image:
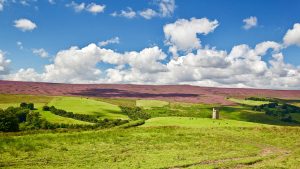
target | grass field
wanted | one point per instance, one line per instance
(52, 118)
(197, 122)
(179, 135)
(151, 103)
(75, 104)
(155, 147)
(87, 106)
(248, 102)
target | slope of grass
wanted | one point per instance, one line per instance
(119, 101)
(87, 106)
(52, 118)
(151, 103)
(243, 113)
(196, 122)
(155, 147)
(248, 102)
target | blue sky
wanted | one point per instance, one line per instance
(59, 26)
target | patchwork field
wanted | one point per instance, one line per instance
(176, 135)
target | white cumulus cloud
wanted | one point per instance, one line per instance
(95, 8)
(292, 36)
(91, 7)
(25, 24)
(182, 35)
(250, 22)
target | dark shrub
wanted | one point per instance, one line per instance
(46, 108)
(8, 121)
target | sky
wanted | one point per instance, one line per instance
(230, 43)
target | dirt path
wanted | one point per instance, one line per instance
(267, 153)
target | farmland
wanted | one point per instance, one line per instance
(174, 135)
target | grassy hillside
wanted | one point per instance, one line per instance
(87, 106)
(197, 122)
(155, 147)
(178, 135)
(52, 118)
(75, 104)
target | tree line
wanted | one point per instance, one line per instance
(281, 111)
(24, 118)
(63, 113)
(262, 99)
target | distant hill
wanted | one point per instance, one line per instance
(182, 93)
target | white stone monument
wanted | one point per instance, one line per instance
(215, 113)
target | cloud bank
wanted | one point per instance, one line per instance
(242, 66)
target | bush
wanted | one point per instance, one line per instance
(33, 120)
(46, 108)
(29, 106)
(8, 121)
(135, 113)
(82, 117)
(280, 111)
(132, 124)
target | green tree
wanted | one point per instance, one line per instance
(8, 121)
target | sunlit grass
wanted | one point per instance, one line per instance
(248, 102)
(151, 103)
(82, 105)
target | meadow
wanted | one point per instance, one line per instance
(178, 135)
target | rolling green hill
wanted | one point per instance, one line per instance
(178, 135)
(87, 106)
